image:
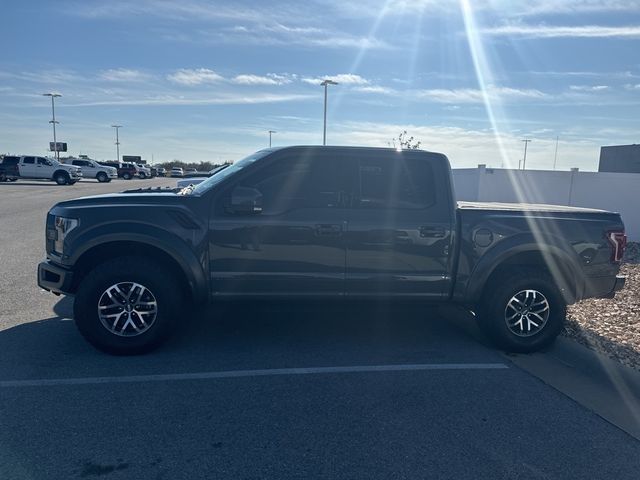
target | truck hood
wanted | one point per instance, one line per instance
(525, 207)
(156, 197)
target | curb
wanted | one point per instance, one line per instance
(602, 385)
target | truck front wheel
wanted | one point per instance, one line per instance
(127, 306)
(62, 178)
(522, 311)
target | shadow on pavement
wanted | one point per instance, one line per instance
(248, 335)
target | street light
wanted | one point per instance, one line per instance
(325, 84)
(117, 142)
(53, 120)
(524, 160)
(270, 132)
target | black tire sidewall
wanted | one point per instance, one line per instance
(156, 279)
(61, 178)
(102, 177)
(492, 318)
(126, 176)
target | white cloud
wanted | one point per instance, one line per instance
(588, 88)
(123, 75)
(196, 76)
(177, 100)
(632, 87)
(555, 31)
(375, 89)
(269, 79)
(343, 79)
(471, 95)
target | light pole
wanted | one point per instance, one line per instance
(325, 84)
(53, 121)
(524, 160)
(270, 132)
(117, 127)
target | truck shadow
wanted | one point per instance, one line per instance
(250, 335)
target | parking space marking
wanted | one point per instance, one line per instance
(250, 373)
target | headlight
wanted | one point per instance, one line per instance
(62, 228)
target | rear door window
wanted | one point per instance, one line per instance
(398, 183)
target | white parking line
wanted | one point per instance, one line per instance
(249, 373)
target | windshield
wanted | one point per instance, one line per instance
(223, 173)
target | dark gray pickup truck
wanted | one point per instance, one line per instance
(325, 222)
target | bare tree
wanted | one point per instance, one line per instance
(405, 142)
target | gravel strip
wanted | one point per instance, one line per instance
(612, 326)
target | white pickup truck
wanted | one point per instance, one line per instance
(92, 169)
(44, 168)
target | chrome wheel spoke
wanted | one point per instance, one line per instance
(127, 309)
(526, 313)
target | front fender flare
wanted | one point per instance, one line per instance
(172, 245)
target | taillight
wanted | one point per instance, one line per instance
(618, 241)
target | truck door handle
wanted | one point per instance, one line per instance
(328, 230)
(432, 232)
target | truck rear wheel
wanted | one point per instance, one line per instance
(127, 306)
(522, 311)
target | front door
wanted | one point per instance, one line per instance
(296, 244)
(399, 235)
(43, 168)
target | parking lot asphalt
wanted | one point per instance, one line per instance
(272, 389)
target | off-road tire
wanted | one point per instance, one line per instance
(492, 311)
(144, 271)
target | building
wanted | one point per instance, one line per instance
(620, 159)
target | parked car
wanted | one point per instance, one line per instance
(327, 222)
(29, 167)
(201, 177)
(162, 171)
(177, 172)
(127, 170)
(190, 171)
(143, 170)
(92, 169)
(9, 168)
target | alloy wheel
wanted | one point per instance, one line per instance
(127, 309)
(527, 313)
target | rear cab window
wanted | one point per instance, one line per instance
(395, 182)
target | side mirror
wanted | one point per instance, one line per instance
(245, 201)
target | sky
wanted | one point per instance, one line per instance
(202, 80)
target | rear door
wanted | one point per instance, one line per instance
(296, 245)
(400, 226)
(87, 168)
(27, 167)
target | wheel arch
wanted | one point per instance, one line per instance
(60, 171)
(186, 269)
(565, 271)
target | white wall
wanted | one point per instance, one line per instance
(617, 192)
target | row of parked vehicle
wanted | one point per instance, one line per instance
(70, 170)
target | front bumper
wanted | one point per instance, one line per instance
(54, 278)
